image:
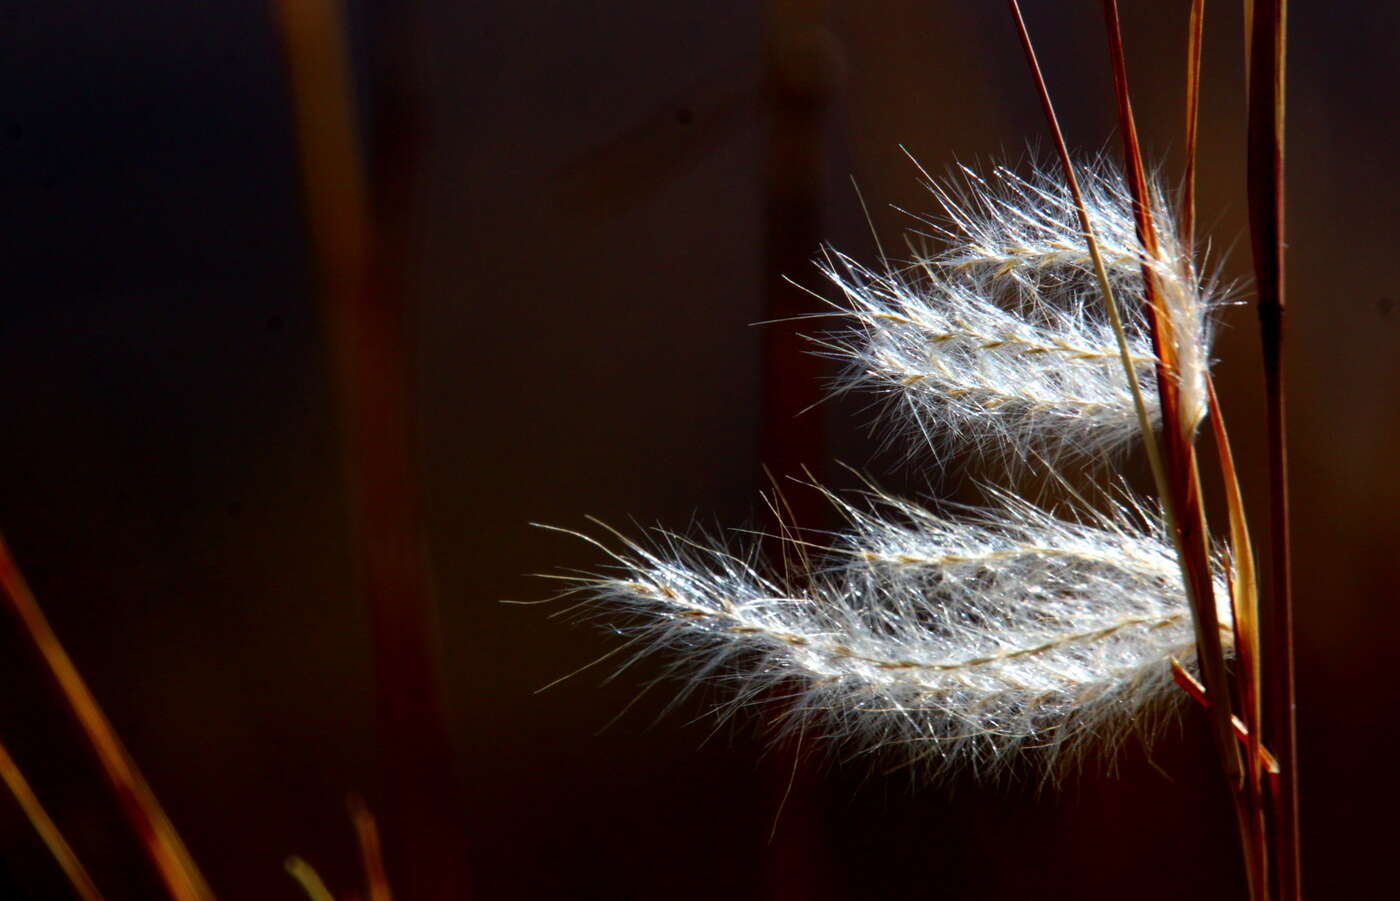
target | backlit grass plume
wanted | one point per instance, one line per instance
(1002, 340)
(949, 641)
(962, 640)
(1063, 314)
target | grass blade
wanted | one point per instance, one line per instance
(309, 880)
(48, 831)
(1194, 33)
(159, 838)
(1149, 440)
(1182, 471)
(1266, 25)
(367, 834)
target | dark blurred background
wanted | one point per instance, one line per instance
(594, 207)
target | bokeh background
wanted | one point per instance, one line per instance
(592, 204)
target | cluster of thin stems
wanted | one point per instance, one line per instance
(1064, 315)
(1262, 784)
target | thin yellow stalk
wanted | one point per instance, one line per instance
(1183, 472)
(48, 831)
(1244, 598)
(1244, 583)
(309, 880)
(1212, 659)
(1149, 439)
(157, 836)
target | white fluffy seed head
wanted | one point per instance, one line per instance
(1001, 340)
(962, 641)
(947, 642)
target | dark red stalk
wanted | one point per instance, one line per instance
(371, 857)
(1180, 453)
(1194, 34)
(1244, 595)
(1110, 303)
(1182, 496)
(1184, 473)
(1267, 40)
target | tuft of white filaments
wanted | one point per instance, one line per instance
(961, 640)
(1002, 340)
(948, 641)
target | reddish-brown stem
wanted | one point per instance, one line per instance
(1244, 588)
(1243, 585)
(371, 857)
(167, 852)
(1193, 536)
(1244, 595)
(1180, 452)
(1266, 59)
(1180, 496)
(1195, 31)
(1052, 120)
(1197, 691)
(1105, 284)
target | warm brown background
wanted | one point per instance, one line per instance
(588, 255)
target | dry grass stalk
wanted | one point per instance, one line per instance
(924, 632)
(158, 837)
(998, 338)
(48, 830)
(1266, 37)
(371, 859)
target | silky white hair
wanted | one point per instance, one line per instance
(1000, 341)
(951, 641)
(965, 639)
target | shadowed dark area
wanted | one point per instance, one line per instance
(588, 224)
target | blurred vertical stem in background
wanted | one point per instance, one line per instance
(371, 858)
(364, 308)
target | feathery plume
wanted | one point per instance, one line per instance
(952, 641)
(964, 640)
(1000, 340)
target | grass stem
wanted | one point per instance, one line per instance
(48, 830)
(1266, 25)
(157, 836)
(1194, 35)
